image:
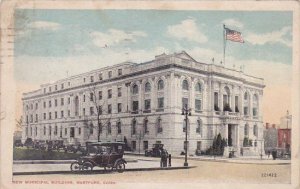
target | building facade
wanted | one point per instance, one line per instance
(142, 103)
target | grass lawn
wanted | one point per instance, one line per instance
(33, 154)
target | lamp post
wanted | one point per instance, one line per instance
(186, 112)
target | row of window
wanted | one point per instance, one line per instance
(161, 85)
(100, 77)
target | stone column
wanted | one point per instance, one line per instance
(128, 97)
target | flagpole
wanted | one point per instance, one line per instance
(224, 42)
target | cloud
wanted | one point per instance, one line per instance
(272, 37)
(44, 25)
(233, 22)
(187, 30)
(114, 37)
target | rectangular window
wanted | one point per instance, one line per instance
(199, 145)
(109, 108)
(100, 77)
(83, 111)
(100, 95)
(197, 104)
(62, 86)
(245, 110)
(66, 131)
(109, 74)
(119, 107)
(119, 92)
(31, 118)
(160, 104)
(44, 104)
(69, 100)
(135, 106)
(185, 102)
(69, 113)
(109, 93)
(62, 101)
(36, 106)
(55, 102)
(91, 97)
(27, 119)
(50, 115)
(145, 144)
(79, 131)
(91, 110)
(119, 72)
(56, 87)
(50, 104)
(92, 79)
(83, 98)
(44, 116)
(147, 104)
(44, 90)
(72, 132)
(84, 80)
(55, 115)
(100, 110)
(69, 83)
(254, 111)
(62, 114)
(49, 89)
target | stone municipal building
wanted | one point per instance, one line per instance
(142, 103)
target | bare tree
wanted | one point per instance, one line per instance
(102, 115)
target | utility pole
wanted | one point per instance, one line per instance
(186, 112)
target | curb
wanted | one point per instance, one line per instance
(101, 171)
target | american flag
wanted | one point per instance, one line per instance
(233, 35)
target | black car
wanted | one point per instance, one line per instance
(155, 151)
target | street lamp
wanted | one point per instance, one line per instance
(186, 112)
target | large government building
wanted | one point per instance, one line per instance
(142, 104)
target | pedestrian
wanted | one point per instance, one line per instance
(242, 152)
(269, 152)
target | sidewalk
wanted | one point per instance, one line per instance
(240, 160)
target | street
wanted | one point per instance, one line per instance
(205, 171)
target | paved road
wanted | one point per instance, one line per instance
(206, 171)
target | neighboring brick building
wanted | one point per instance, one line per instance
(143, 102)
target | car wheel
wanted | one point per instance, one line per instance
(75, 167)
(120, 167)
(87, 167)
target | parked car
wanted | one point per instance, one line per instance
(155, 151)
(75, 149)
(108, 155)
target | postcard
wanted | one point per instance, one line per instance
(141, 94)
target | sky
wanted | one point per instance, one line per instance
(53, 44)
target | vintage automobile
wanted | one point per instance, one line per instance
(155, 151)
(108, 155)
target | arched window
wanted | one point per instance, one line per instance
(160, 85)
(185, 85)
(44, 130)
(246, 96)
(135, 89)
(198, 87)
(246, 130)
(158, 125)
(255, 130)
(147, 87)
(199, 127)
(255, 105)
(109, 127)
(119, 127)
(133, 127)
